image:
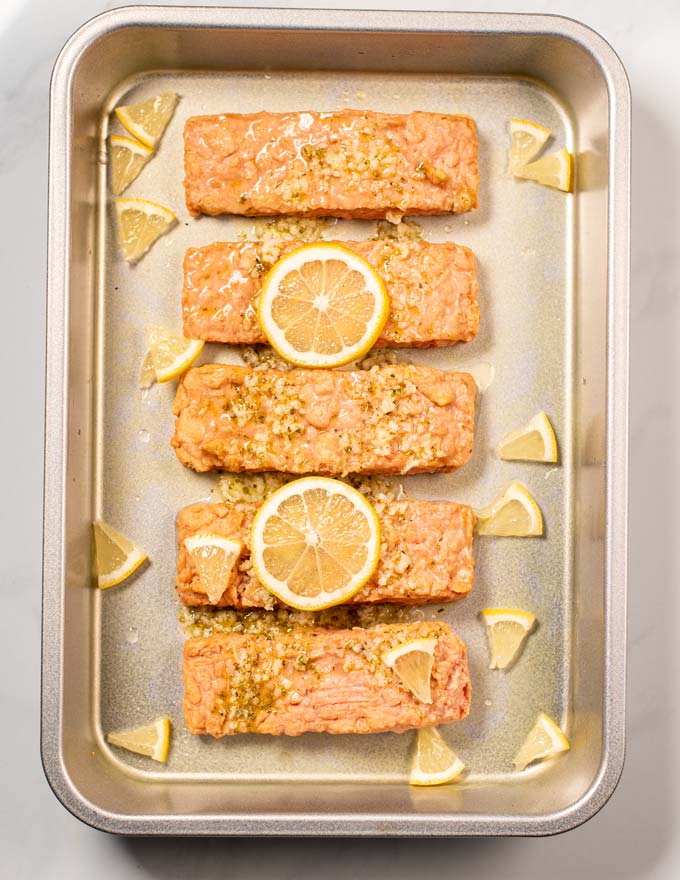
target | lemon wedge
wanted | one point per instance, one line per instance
(512, 514)
(507, 628)
(412, 661)
(554, 170)
(322, 306)
(544, 740)
(148, 120)
(147, 373)
(116, 557)
(152, 740)
(128, 157)
(171, 355)
(140, 224)
(534, 442)
(434, 762)
(315, 542)
(527, 139)
(215, 558)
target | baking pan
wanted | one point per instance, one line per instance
(554, 300)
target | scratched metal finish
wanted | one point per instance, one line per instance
(522, 236)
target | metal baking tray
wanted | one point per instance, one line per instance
(554, 301)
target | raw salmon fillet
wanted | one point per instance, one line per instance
(352, 163)
(388, 420)
(313, 679)
(426, 554)
(432, 290)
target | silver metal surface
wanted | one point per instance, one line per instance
(554, 300)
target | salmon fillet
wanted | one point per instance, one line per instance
(432, 290)
(353, 163)
(426, 554)
(321, 680)
(388, 420)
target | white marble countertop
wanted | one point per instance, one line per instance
(636, 834)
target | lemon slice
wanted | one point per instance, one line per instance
(322, 306)
(507, 628)
(215, 558)
(534, 442)
(128, 157)
(116, 557)
(527, 139)
(545, 739)
(512, 514)
(315, 542)
(554, 170)
(434, 762)
(147, 121)
(140, 224)
(412, 661)
(152, 740)
(171, 354)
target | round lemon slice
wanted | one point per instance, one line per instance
(527, 139)
(116, 557)
(215, 558)
(148, 120)
(512, 514)
(506, 628)
(140, 224)
(434, 762)
(152, 740)
(322, 306)
(554, 170)
(545, 739)
(315, 542)
(412, 662)
(534, 442)
(171, 355)
(128, 157)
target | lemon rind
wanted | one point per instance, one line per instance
(568, 163)
(421, 646)
(540, 134)
(182, 363)
(132, 144)
(560, 743)
(540, 424)
(426, 645)
(146, 206)
(515, 491)
(525, 124)
(205, 539)
(419, 778)
(123, 572)
(161, 746)
(493, 616)
(122, 113)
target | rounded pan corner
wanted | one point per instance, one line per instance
(68, 795)
(88, 33)
(599, 47)
(590, 803)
